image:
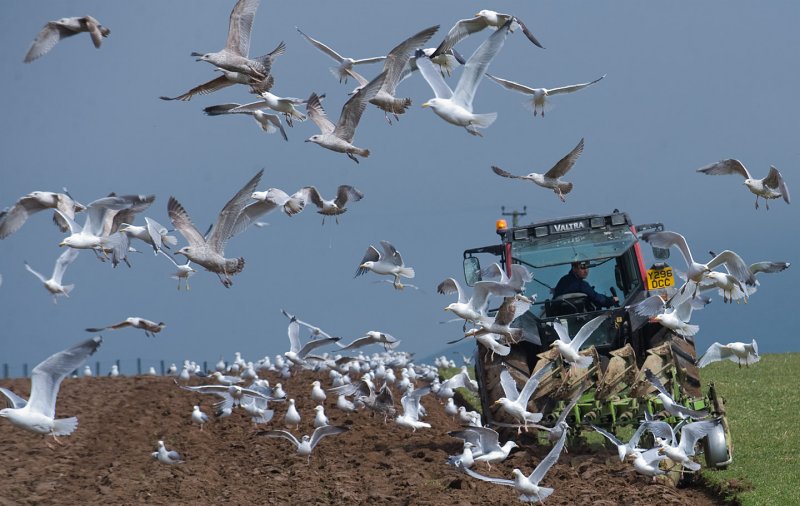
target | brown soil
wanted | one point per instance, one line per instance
(107, 460)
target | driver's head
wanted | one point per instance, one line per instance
(581, 269)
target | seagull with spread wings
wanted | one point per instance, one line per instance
(672, 407)
(552, 178)
(150, 328)
(11, 219)
(741, 353)
(482, 19)
(333, 207)
(234, 56)
(539, 96)
(54, 31)
(209, 251)
(771, 187)
(53, 284)
(389, 263)
(569, 349)
(455, 106)
(339, 137)
(515, 402)
(37, 414)
(344, 63)
(270, 123)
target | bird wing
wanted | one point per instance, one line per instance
(225, 225)
(37, 273)
(572, 87)
(294, 335)
(311, 193)
(358, 343)
(611, 437)
(432, 76)
(234, 108)
(725, 167)
(325, 430)
(316, 343)
(280, 433)
(316, 113)
(345, 193)
(203, 89)
(14, 400)
(692, 432)
(479, 476)
(397, 59)
(183, 223)
(769, 267)
(124, 210)
(656, 382)
(251, 213)
(532, 383)
(775, 180)
(240, 25)
(63, 262)
(48, 37)
(566, 163)
(530, 35)
(735, 265)
(11, 220)
(562, 418)
(391, 254)
(650, 306)
(371, 255)
(322, 47)
(47, 376)
(666, 238)
(460, 30)
(586, 331)
(714, 353)
(561, 331)
(511, 85)
(476, 66)
(548, 462)
(354, 108)
(450, 285)
(500, 172)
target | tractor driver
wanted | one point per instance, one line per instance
(575, 282)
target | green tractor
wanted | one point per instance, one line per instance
(624, 345)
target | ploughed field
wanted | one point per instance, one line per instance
(107, 460)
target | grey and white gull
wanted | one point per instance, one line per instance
(54, 31)
(540, 96)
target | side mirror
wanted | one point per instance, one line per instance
(472, 270)
(660, 253)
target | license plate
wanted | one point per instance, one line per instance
(662, 277)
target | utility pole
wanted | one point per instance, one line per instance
(514, 214)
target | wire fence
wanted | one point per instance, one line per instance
(129, 367)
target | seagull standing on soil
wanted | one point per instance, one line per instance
(455, 107)
(539, 96)
(771, 187)
(292, 416)
(62, 28)
(741, 353)
(37, 414)
(199, 417)
(165, 456)
(552, 178)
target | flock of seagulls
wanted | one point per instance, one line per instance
(366, 382)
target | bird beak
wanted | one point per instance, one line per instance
(447, 309)
(426, 104)
(61, 244)
(652, 319)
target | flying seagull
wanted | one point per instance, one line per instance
(234, 56)
(672, 407)
(229, 78)
(515, 402)
(38, 413)
(269, 123)
(539, 96)
(344, 63)
(307, 444)
(150, 328)
(184, 272)
(289, 204)
(209, 251)
(12, 219)
(483, 19)
(771, 187)
(456, 106)
(53, 284)
(552, 178)
(62, 28)
(389, 263)
(569, 348)
(339, 137)
(741, 353)
(333, 207)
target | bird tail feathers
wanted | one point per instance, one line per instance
(68, 289)
(584, 362)
(407, 272)
(64, 426)
(484, 120)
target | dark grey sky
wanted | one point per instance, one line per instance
(687, 84)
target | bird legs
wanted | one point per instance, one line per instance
(352, 156)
